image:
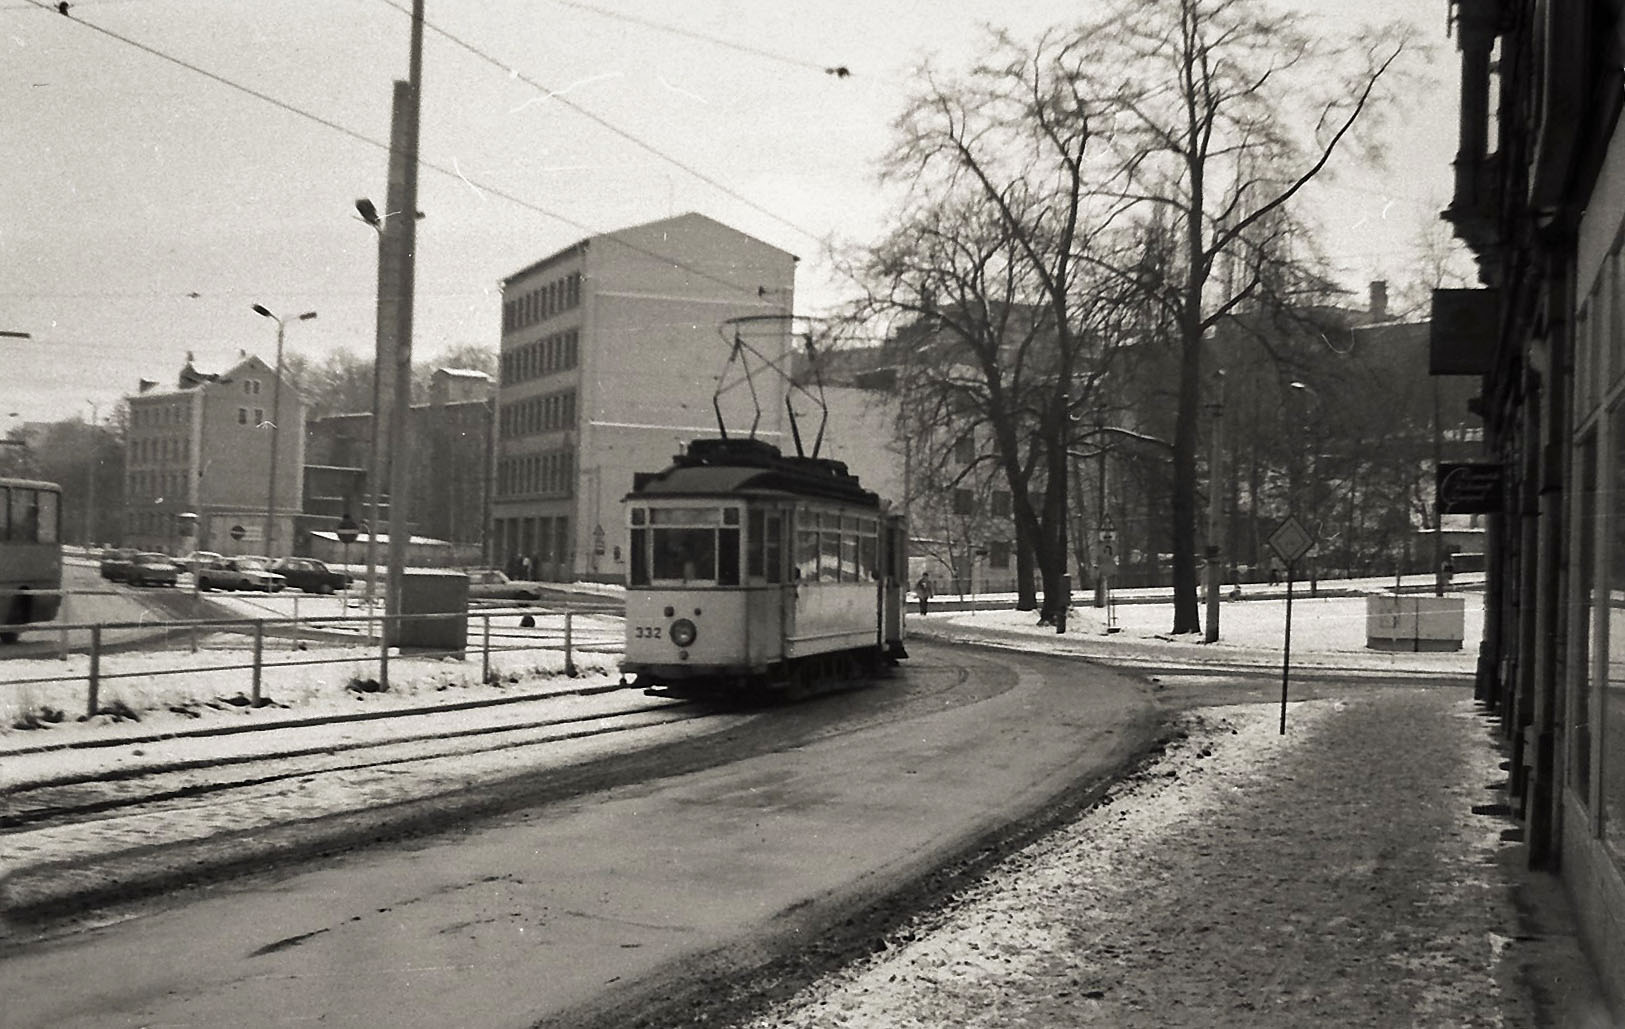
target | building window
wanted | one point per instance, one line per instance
(965, 450)
(1001, 503)
(259, 416)
(964, 502)
(998, 554)
(242, 416)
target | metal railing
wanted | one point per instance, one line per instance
(99, 640)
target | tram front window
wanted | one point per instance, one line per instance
(688, 555)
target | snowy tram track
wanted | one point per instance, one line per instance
(75, 796)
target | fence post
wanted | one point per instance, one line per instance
(383, 651)
(95, 669)
(259, 650)
(485, 665)
(569, 656)
(62, 636)
(296, 621)
(197, 608)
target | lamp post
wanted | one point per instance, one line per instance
(276, 420)
(369, 214)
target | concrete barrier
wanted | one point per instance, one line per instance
(1415, 622)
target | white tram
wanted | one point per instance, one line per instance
(753, 571)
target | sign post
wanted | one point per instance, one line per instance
(1291, 541)
(1105, 568)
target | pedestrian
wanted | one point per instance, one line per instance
(924, 591)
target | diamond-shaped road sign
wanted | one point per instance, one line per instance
(1291, 540)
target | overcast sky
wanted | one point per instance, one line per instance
(144, 207)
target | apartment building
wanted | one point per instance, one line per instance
(611, 356)
(199, 463)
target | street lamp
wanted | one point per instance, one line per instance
(276, 421)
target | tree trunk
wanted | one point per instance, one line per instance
(1026, 594)
(1186, 611)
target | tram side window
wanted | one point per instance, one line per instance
(868, 553)
(829, 561)
(806, 566)
(850, 571)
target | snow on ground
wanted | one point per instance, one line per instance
(1245, 879)
(1327, 631)
(156, 690)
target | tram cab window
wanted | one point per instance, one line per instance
(686, 545)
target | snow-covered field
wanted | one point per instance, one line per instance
(1326, 632)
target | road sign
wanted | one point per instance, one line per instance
(1291, 540)
(238, 532)
(1473, 487)
(346, 530)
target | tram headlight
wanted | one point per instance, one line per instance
(683, 632)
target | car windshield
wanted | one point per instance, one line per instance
(248, 564)
(153, 559)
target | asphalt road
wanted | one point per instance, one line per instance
(751, 857)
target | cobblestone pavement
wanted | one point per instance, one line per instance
(1333, 876)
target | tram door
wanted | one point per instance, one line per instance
(894, 579)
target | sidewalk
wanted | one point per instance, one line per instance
(1333, 876)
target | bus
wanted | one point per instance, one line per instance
(30, 554)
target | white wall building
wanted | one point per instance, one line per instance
(612, 349)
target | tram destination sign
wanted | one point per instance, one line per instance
(1472, 487)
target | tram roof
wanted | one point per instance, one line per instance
(730, 468)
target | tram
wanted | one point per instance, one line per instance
(751, 572)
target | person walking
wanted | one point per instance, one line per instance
(924, 591)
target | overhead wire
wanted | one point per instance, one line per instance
(560, 98)
(360, 137)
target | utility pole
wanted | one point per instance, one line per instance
(95, 461)
(407, 241)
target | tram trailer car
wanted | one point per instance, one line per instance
(751, 572)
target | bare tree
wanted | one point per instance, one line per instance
(986, 257)
(1224, 111)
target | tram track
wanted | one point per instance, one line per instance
(122, 835)
(98, 791)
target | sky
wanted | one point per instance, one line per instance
(145, 207)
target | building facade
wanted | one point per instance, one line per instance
(450, 443)
(198, 465)
(612, 352)
(1540, 200)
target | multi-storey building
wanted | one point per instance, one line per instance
(198, 457)
(612, 349)
(1540, 199)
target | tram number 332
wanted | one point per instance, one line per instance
(646, 632)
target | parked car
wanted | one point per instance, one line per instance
(490, 584)
(152, 569)
(310, 575)
(116, 564)
(238, 573)
(196, 558)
